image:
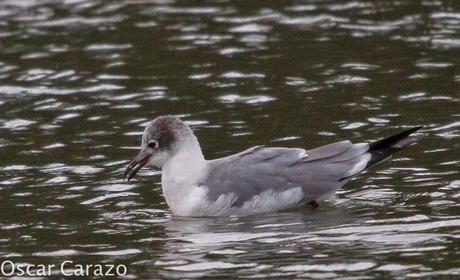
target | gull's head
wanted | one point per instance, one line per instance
(162, 139)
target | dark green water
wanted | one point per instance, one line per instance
(80, 79)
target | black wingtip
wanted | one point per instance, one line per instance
(383, 149)
(386, 142)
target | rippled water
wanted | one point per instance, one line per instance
(80, 79)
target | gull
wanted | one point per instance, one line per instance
(257, 180)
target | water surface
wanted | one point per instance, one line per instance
(79, 80)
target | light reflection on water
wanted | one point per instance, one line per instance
(80, 79)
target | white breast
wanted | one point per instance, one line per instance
(181, 178)
(185, 201)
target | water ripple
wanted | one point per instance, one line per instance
(81, 79)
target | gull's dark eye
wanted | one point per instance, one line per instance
(153, 144)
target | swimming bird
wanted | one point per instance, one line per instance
(257, 180)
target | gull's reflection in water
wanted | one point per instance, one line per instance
(193, 241)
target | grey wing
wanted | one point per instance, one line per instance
(318, 171)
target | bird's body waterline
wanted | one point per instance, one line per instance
(257, 180)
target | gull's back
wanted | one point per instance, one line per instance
(269, 179)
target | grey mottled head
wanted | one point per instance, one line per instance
(164, 133)
(162, 138)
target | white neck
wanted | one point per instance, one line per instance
(187, 162)
(183, 171)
